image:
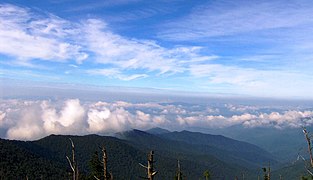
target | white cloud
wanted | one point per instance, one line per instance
(42, 36)
(72, 115)
(278, 83)
(35, 119)
(102, 4)
(48, 37)
(241, 108)
(105, 72)
(126, 53)
(97, 119)
(275, 41)
(2, 118)
(224, 18)
(28, 36)
(132, 77)
(292, 118)
(115, 73)
(118, 119)
(26, 120)
(23, 123)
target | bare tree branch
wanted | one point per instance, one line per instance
(69, 161)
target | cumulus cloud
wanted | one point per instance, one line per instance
(241, 108)
(27, 120)
(26, 123)
(97, 119)
(109, 118)
(293, 119)
(35, 119)
(68, 119)
(2, 115)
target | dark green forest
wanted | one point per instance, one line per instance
(200, 156)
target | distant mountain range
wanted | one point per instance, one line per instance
(224, 157)
(225, 149)
(285, 144)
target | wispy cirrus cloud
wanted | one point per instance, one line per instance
(115, 73)
(126, 53)
(102, 4)
(48, 37)
(226, 18)
(272, 55)
(255, 81)
(27, 36)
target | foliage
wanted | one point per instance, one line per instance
(207, 175)
(46, 157)
(19, 162)
(96, 167)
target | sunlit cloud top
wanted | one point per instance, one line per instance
(255, 48)
(34, 119)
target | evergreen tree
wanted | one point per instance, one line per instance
(95, 166)
(207, 175)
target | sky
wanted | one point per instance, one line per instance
(101, 67)
(257, 48)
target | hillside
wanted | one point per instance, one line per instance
(19, 160)
(225, 158)
(157, 130)
(285, 144)
(225, 149)
(46, 158)
(251, 154)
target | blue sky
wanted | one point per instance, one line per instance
(256, 48)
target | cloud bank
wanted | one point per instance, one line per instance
(28, 120)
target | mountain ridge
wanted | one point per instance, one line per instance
(129, 148)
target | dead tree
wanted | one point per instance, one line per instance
(73, 163)
(106, 175)
(308, 139)
(150, 171)
(179, 174)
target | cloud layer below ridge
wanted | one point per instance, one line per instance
(27, 120)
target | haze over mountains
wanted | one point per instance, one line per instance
(224, 86)
(197, 152)
(275, 127)
(124, 156)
